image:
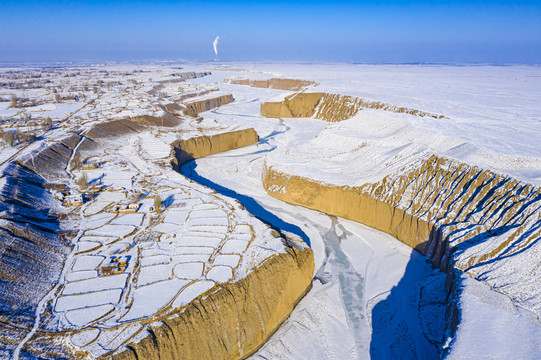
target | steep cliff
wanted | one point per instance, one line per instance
(274, 83)
(186, 150)
(195, 107)
(330, 107)
(461, 216)
(233, 321)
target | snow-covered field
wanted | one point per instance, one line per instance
(372, 296)
(197, 241)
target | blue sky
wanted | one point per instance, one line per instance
(345, 31)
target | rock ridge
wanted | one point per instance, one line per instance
(196, 147)
(330, 107)
(462, 217)
(195, 107)
(34, 245)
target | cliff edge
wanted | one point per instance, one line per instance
(193, 148)
(233, 321)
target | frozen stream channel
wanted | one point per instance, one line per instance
(365, 297)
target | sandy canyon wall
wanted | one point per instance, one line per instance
(461, 216)
(273, 83)
(195, 107)
(330, 107)
(234, 321)
(186, 150)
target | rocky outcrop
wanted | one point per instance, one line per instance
(296, 105)
(274, 83)
(186, 150)
(461, 216)
(330, 107)
(233, 321)
(192, 75)
(195, 107)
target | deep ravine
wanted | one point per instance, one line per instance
(356, 267)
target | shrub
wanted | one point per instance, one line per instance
(83, 182)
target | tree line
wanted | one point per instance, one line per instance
(12, 138)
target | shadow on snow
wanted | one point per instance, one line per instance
(189, 170)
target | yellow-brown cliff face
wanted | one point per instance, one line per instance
(233, 321)
(330, 107)
(195, 107)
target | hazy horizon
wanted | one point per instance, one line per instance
(370, 32)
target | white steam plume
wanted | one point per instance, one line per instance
(215, 44)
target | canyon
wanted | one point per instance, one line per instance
(277, 213)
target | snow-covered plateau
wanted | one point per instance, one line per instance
(385, 211)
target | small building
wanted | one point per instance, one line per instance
(126, 209)
(115, 265)
(91, 165)
(58, 196)
(73, 200)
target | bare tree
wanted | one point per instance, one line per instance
(17, 137)
(158, 203)
(83, 182)
(9, 138)
(75, 162)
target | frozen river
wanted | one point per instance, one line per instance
(365, 296)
